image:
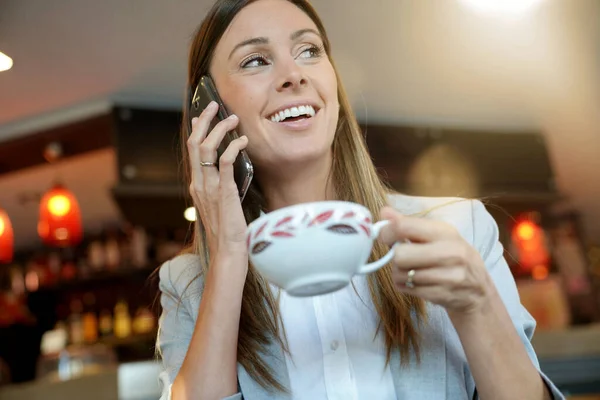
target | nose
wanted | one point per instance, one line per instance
(291, 76)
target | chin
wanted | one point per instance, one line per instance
(306, 158)
(295, 157)
(287, 148)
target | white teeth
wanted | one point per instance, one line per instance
(293, 112)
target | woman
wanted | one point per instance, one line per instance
(436, 323)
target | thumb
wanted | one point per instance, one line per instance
(388, 233)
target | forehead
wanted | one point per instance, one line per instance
(272, 19)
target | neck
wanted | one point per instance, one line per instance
(301, 185)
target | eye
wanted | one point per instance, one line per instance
(255, 60)
(311, 52)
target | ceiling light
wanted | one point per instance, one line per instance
(190, 214)
(503, 6)
(6, 62)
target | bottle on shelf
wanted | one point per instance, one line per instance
(105, 323)
(139, 247)
(96, 255)
(89, 319)
(122, 324)
(112, 251)
(143, 321)
(76, 323)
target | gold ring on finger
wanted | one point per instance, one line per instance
(409, 280)
(207, 164)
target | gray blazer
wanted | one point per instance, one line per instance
(443, 373)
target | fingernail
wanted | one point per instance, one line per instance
(194, 120)
(213, 104)
(233, 116)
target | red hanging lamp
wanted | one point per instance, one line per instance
(6, 238)
(60, 224)
(532, 252)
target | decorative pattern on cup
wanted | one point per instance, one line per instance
(285, 228)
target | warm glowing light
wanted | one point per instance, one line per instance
(43, 228)
(526, 230)
(32, 281)
(6, 62)
(6, 238)
(59, 205)
(503, 6)
(539, 272)
(529, 241)
(61, 234)
(60, 222)
(190, 214)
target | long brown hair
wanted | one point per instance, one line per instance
(355, 179)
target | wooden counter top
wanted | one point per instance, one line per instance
(572, 342)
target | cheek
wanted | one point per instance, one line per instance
(243, 104)
(239, 98)
(332, 83)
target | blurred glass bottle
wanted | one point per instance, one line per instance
(122, 325)
(76, 323)
(90, 320)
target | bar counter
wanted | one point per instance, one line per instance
(571, 358)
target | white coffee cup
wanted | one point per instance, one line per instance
(314, 248)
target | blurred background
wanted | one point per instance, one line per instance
(493, 99)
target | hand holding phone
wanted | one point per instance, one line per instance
(216, 194)
(204, 94)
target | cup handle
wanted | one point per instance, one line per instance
(375, 265)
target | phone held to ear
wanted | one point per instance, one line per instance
(206, 92)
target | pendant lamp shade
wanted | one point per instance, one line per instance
(60, 218)
(6, 238)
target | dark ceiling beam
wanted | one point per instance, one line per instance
(76, 138)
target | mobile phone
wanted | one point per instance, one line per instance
(205, 92)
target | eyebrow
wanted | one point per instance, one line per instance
(264, 40)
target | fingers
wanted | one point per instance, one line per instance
(201, 124)
(202, 146)
(454, 288)
(423, 255)
(226, 161)
(209, 146)
(200, 128)
(444, 276)
(414, 229)
(388, 233)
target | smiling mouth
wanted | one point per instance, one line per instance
(293, 114)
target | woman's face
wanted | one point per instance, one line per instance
(271, 70)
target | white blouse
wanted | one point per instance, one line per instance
(335, 354)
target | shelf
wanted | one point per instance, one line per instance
(133, 340)
(511, 197)
(150, 189)
(100, 277)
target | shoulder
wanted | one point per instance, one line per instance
(180, 274)
(469, 216)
